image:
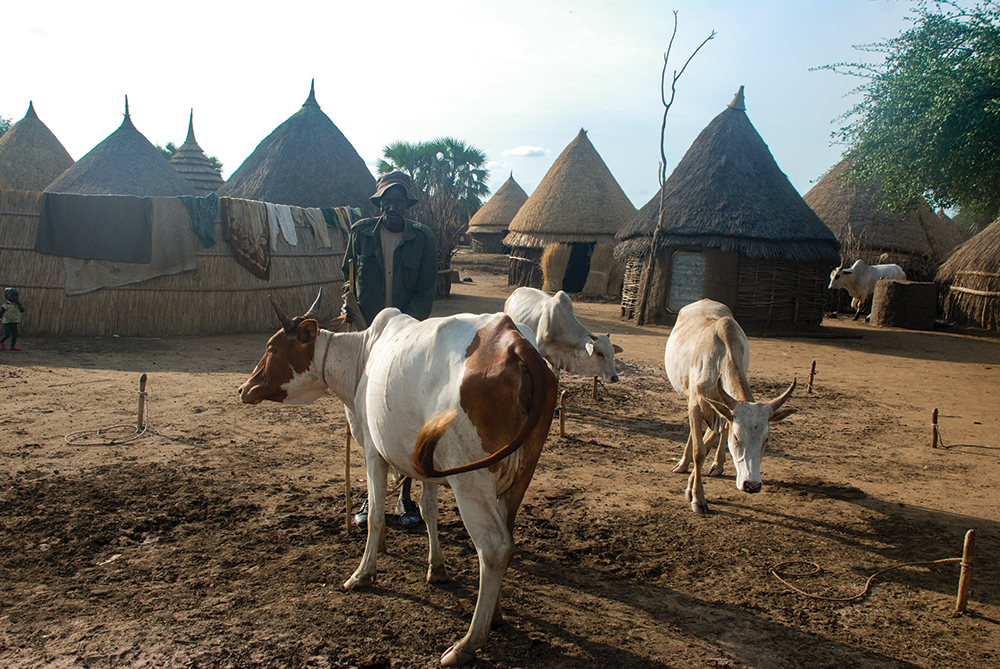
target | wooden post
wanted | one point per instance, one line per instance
(595, 388)
(935, 432)
(812, 373)
(140, 423)
(963, 580)
(562, 414)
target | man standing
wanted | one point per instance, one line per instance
(395, 265)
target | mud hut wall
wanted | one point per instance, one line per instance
(973, 298)
(219, 297)
(721, 277)
(781, 295)
(488, 242)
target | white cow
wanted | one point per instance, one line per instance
(562, 339)
(859, 280)
(464, 401)
(706, 359)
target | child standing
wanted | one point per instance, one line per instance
(11, 311)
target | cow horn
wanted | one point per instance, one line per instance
(727, 399)
(286, 323)
(314, 309)
(778, 401)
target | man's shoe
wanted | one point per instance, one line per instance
(361, 517)
(14, 348)
(409, 514)
(2, 347)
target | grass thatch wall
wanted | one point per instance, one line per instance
(972, 275)
(555, 261)
(220, 297)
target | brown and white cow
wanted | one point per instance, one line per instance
(706, 359)
(464, 401)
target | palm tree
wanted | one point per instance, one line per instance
(450, 179)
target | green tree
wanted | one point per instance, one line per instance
(5, 124)
(450, 179)
(929, 121)
(170, 149)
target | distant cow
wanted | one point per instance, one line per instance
(562, 339)
(859, 280)
(706, 359)
(465, 401)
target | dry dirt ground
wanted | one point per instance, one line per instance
(218, 538)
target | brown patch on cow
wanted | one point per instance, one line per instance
(286, 355)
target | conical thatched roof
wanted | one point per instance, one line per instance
(30, 155)
(495, 216)
(854, 214)
(195, 166)
(125, 163)
(973, 277)
(727, 192)
(578, 200)
(981, 255)
(306, 161)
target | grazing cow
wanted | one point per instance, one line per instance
(464, 401)
(859, 280)
(706, 358)
(562, 339)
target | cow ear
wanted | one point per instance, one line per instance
(781, 414)
(618, 349)
(590, 347)
(335, 324)
(721, 409)
(307, 331)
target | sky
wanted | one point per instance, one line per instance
(515, 78)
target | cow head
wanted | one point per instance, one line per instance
(837, 275)
(749, 430)
(602, 357)
(285, 373)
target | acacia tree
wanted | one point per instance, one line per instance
(450, 179)
(929, 121)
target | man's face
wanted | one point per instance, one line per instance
(393, 204)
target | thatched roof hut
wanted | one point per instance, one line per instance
(306, 161)
(576, 209)
(734, 229)
(30, 155)
(491, 223)
(972, 275)
(125, 163)
(195, 166)
(918, 241)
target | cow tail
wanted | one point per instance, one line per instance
(542, 406)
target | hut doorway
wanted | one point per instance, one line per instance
(579, 267)
(687, 279)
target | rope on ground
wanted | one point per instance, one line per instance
(817, 570)
(99, 437)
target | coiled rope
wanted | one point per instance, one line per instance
(99, 437)
(868, 584)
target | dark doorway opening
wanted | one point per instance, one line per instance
(579, 267)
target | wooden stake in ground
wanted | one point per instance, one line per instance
(812, 373)
(562, 414)
(935, 431)
(963, 580)
(140, 422)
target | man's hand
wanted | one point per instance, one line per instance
(348, 312)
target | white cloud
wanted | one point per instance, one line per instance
(526, 152)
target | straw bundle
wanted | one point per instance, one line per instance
(30, 155)
(972, 274)
(555, 261)
(307, 162)
(602, 262)
(220, 297)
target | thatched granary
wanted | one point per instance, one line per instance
(125, 163)
(195, 166)
(491, 223)
(307, 162)
(735, 230)
(972, 275)
(30, 155)
(569, 220)
(918, 241)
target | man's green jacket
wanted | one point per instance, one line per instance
(414, 276)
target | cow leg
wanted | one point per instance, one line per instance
(495, 547)
(682, 465)
(436, 572)
(695, 493)
(719, 464)
(377, 470)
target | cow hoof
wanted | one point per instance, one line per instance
(699, 507)
(680, 468)
(715, 471)
(456, 658)
(437, 574)
(355, 582)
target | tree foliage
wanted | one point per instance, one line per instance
(5, 124)
(450, 179)
(929, 121)
(170, 149)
